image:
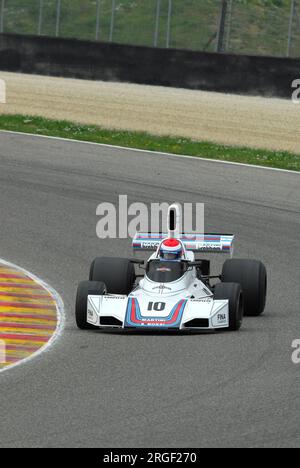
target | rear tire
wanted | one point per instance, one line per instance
(86, 288)
(252, 276)
(117, 274)
(232, 292)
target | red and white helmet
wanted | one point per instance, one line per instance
(171, 250)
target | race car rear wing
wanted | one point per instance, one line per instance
(210, 243)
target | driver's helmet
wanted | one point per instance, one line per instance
(171, 250)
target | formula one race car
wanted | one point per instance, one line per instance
(176, 291)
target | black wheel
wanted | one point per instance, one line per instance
(232, 292)
(118, 274)
(86, 288)
(252, 276)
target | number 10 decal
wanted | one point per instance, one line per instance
(157, 306)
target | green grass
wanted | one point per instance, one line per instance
(258, 26)
(201, 149)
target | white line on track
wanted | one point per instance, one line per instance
(59, 311)
(137, 150)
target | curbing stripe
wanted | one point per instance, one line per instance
(33, 328)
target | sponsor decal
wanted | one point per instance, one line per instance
(155, 321)
(164, 269)
(149, 245)
(134, 317)
(162, 287)
(91, 316)
(109, 298)
(222, 318)
(207, 245)
(201, 300)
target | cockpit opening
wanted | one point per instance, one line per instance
(165, 272)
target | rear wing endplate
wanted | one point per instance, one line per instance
(210, 243)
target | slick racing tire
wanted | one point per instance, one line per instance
(232, 292)
(118, 274)
(86, 288)
(252, 276)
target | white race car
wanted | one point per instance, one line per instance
(176, 290)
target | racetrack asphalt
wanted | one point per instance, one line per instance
(96, 389)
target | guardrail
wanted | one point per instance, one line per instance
(266, 76)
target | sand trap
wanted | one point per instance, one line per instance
(228, 119)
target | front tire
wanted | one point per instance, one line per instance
(86, 288)
(118, 274)
(252, 276)
(232, 292)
